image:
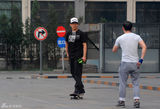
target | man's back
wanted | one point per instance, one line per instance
(129, 45)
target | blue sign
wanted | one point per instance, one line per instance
(61, 42)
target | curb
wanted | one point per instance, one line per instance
(17, 78)
(117, 84)
(65, 76)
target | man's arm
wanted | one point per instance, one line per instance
(84, 51)
(115, 48)
(66, 47)
(144, 49)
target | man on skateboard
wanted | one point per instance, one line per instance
(130, 62)
(76, 48)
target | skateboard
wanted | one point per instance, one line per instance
(76, 96)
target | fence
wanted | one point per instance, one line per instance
(26, 57)
(150, 33)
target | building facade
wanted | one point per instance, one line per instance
(145, 13)
(133, 10)
(95, 11)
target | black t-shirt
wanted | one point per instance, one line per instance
(75, 42)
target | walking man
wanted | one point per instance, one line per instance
(76, 48)
(130, 62)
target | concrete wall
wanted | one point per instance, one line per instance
(80, 9)
(26, 10)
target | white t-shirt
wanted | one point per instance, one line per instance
(129, 45)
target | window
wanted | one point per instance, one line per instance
(148, 12)
(60, 8)
(6, 6)
(97, 12)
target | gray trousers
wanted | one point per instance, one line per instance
(125, 69)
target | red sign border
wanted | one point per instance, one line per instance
(64, 29)
(37, 30)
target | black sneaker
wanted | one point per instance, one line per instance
(72, 94)
(75, 92)
(82, 91)
(136, 104)
(121, 104)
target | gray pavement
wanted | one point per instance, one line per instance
(41, 93)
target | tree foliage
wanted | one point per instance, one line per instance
(19, 41)
(12, 36)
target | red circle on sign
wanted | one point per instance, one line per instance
(40, 33)
(61, 31)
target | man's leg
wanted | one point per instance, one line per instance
(136, 93)
(78, 77)
(135, 82)
(123, 77)
(72, 69)
(71, 61)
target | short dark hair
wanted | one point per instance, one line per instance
(127, 25)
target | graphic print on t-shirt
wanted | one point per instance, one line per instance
(72, 38)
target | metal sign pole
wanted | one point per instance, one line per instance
(40, 34)
(63, 59)
(102, 61)
(41, 58)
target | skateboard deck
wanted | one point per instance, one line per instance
(76, 96)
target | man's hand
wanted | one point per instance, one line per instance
(139, 63)
(84, 58)
(67, 55)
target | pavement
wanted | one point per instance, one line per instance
(20, 91)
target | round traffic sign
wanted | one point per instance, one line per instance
(61, 31)
(40, 33)
(61, 42)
